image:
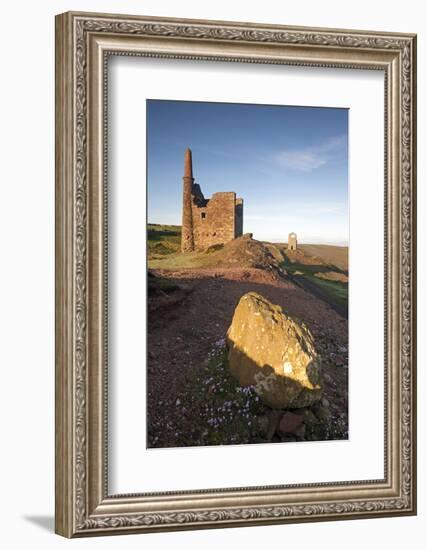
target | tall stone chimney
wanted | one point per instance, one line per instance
(187, 238)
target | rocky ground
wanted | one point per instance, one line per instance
(193, 399)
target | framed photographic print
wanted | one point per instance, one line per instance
(235, 274)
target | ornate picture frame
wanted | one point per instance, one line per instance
(83, 43)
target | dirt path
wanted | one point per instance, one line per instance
(180, 338)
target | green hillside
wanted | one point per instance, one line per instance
(162, 240)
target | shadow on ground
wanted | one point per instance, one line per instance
(46, 523)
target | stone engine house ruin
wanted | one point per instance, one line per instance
(292, 241)
(206, 222)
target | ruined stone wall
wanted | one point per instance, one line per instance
(214, 223)
(206, 222)
(238, 232)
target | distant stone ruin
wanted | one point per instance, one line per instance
(207, 222)
(292, 241)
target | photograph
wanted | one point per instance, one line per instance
(247, 273)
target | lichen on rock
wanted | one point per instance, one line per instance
(274, 353)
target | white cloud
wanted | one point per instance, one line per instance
(310, 158)
(304, 161)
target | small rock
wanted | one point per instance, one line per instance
(273, 417)
(262, 424)
(289, 423)
(310, 418)
(301, 411)
(300, 431)
(327, 378)
(323, 414)
(339, 361)
(178, 402)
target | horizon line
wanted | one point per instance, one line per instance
(342, 244)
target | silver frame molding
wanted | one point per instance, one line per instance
(83, 43)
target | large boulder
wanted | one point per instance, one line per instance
(274, 353)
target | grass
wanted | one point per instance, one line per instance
(335, 290)
(229, 409)
(163, 240)
(177, 260)
(231, 413)
(164, 249)
(330, 254)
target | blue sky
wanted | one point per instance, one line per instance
(289, 164)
